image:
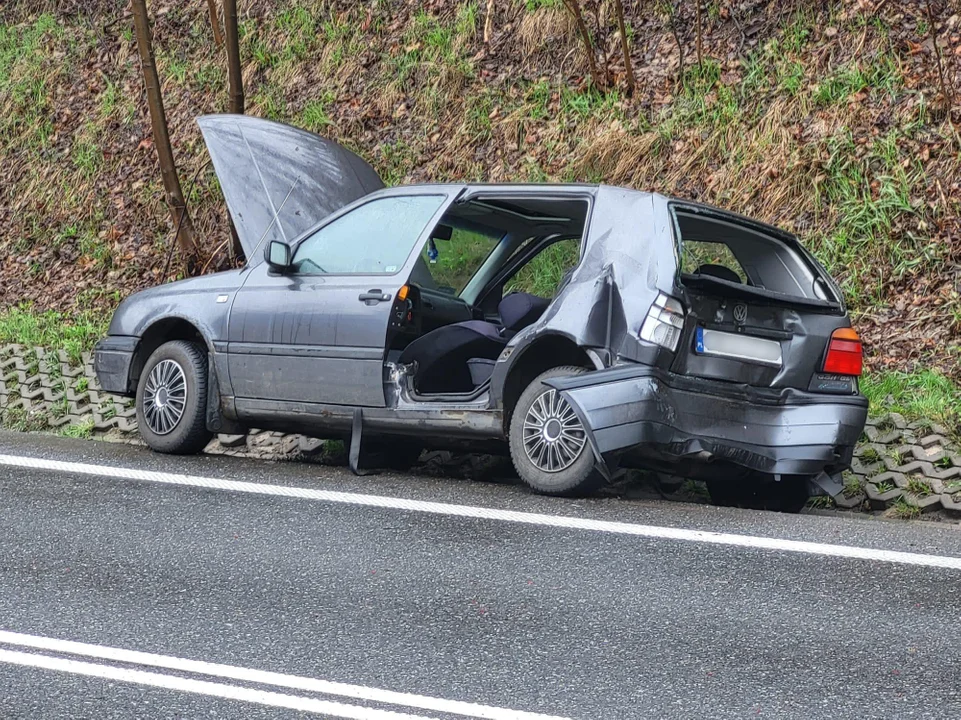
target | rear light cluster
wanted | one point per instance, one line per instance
(845, 354)
(664, 322)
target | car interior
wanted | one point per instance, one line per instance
(490, 269)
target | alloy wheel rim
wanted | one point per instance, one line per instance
(553, 435)
(165, 397)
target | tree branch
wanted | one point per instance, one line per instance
(215, 23)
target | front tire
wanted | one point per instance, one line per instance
(548, 443)
(172, 399)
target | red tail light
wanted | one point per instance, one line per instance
(844, 353)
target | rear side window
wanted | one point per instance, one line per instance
(543, 273)
(374, 239)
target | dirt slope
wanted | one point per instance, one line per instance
(825, 118)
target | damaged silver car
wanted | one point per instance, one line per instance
(583, 328)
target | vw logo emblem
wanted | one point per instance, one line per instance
(740, 313)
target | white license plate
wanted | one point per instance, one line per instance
(737, 347)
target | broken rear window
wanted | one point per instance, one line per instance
(722, 254)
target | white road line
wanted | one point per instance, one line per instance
(202, 687)
(483, 513)
(292, 682)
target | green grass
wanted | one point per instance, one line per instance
(22, 421)
(879, 74)
(543, 274)
(316, 114)
(869, 193)
(74, 334)
(918, 487)
(459, 258)
(903, 510)
(82, 430)
(922, 395)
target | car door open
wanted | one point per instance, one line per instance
(316, 333)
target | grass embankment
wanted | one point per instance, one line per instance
(824, 119)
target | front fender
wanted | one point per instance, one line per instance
(204, 302)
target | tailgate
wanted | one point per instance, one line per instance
(759, 309)
(764, 345)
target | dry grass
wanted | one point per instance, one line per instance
(545, 27)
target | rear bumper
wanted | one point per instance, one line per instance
(639, 408)
(112, 358)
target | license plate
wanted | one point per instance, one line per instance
(737, 347)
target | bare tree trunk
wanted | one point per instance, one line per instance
(945, 90)
(235, 80)
(574, 8)
(628, 68)
(672, 19)
(601, 24)
(215, 23)
(161, 135)
(697, 8)
(489, 21)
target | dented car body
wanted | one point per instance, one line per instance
(677, 336)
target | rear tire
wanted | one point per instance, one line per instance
(172, 399)
(548, 443)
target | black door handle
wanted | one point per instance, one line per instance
(374, 296)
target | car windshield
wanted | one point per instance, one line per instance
(373, 239)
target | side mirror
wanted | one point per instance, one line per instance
(277, 255)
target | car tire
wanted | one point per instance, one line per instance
(172, 399)
(533, 460)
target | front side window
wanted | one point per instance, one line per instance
(374, 239)
(458, 259)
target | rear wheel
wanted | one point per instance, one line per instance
(172, 399)
(548, 443)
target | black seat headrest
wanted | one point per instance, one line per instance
(518, 310)
(719, 271)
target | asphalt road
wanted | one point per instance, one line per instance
(516, 603)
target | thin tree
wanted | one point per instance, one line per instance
(628, 68)
(235, 80)
(215, 22)
(235, 91)
(161, 134)
(489, 21)
(945, 89)
(676, 32)
(697, 11)
(574, 8)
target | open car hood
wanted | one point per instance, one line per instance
(278, 180)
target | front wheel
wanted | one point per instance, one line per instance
(548, 442)
(172, 399)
